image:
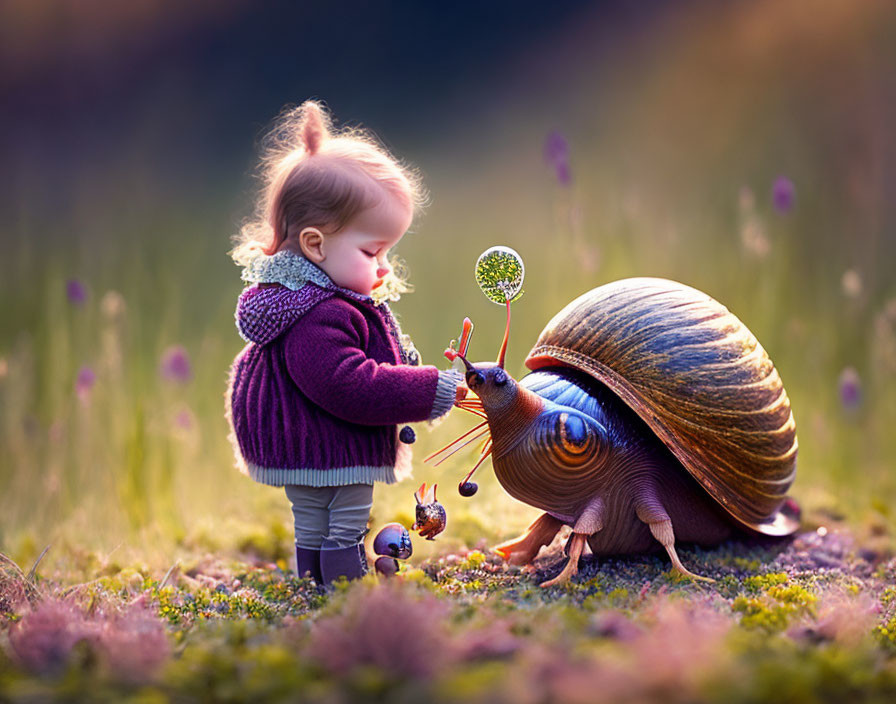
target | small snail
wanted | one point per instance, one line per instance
(651, 414)
(431, 517)
(392, 543)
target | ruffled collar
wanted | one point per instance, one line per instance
(294, 271)
(286, 268)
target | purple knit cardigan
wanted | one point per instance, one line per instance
(316, 396)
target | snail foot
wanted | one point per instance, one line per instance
(570, 571)
(576, 545)
(515, 553)
(516, 558)
(662, 531)
(698, 577)
(522, 550)
(676, 563)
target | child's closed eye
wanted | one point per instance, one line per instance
(369, 254)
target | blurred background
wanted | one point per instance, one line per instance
(744, 148)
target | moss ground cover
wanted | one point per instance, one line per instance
(815, 621)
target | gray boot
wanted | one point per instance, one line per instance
(336, 562)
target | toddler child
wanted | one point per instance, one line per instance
(316, 396)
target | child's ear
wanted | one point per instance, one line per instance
(311, 242)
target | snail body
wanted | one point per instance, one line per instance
(652, 415)
(614, 456)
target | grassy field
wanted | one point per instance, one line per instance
(747, 153)
(810, 620)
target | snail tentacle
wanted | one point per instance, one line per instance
(456, 440)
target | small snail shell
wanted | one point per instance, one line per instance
(393, 540)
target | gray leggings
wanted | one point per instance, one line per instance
(330, 516)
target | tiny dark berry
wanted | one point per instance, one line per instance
(407, 435)
(468, 488)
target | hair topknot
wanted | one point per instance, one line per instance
(315, 175)
(297, 131)
(314, 126)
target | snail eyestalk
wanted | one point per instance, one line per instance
(456, 348)
(466, 335)
(503, 350)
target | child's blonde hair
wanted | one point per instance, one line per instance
(315, 176)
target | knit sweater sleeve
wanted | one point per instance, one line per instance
(325, 358)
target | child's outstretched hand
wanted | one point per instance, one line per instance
(460, 394)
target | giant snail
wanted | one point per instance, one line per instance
(651, 414)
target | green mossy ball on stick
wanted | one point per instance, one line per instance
(499, 273)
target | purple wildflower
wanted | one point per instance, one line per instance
(564, 174)
(131, 644)
(388, 627)
(494, 640)
(556, 154)
(184, 419)
(610, 623)
(84, 382)
(43, 640)
(556, 148)
(850, 389)
(783, 194)
(175, 365)
(76, 292)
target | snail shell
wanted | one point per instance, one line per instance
(700, 380)
(393, 540)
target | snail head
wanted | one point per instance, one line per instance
(490, 382)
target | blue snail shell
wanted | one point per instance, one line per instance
(393, 540)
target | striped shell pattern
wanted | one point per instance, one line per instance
(699, 379)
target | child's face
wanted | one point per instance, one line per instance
(355, 257)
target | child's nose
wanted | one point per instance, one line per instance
(382, 271)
